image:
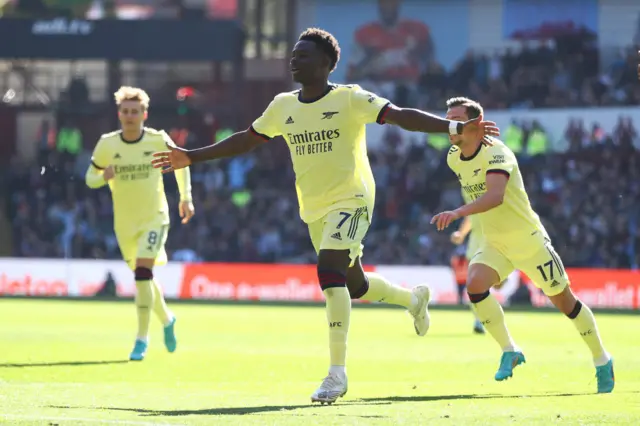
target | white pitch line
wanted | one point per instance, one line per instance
(85, 419)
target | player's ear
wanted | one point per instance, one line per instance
(146, 114)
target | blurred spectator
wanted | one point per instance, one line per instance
(533, 77)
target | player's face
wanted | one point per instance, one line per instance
(458, 113)
(307, 62)
(389, 11)
(131, 115)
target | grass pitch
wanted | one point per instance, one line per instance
(65, 363)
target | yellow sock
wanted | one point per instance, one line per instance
(144, 303)
(381, 290)
(338, 313)
(491, 315)
(160, 305)
(585, 322)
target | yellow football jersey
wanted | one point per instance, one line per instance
(473, 240)
(327, 140)
(137, 188)
(507, 224)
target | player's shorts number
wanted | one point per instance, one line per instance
(153, 238)
(546, 269)
(345, 216)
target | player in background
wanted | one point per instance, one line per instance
(513, 237)
(324, 127)
(141, 215)
(460, 260)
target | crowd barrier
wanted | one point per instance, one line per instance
(605, 288)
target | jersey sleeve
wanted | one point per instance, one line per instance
(267, 125)
(499, 159)
(167, 142)
(367, 106)
(100, 156)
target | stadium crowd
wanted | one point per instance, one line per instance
(246, 209)
(547, 75)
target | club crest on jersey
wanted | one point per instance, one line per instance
(328, 115)
(476, 171)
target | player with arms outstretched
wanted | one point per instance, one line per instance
(460, 261)
(141, 215)
(324, 127)
(513, 237)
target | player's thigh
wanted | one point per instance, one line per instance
(315, 233)
(545, 269)
(345, 229)
(128, 245)
(488, 267)
(150, 244)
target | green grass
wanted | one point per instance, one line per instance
(65, 363)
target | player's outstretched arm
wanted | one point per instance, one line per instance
(419, 121)
(177, 158)
(496, 188)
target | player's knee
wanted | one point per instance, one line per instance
(480, 279)
(567, 303)
(478, 297)
(329, 278)
(143, 274)
(356, 291)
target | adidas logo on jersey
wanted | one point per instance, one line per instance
(148, 153)
(554, 283)
(289, 121)
(116, 156)
(337, 236)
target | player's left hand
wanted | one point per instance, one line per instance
(186, 211)
(477, 128)
(444, 219)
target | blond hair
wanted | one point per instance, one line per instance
(128, 93)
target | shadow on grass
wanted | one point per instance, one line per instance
(240, 411)
(62, 364)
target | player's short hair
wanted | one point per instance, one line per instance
(128, 93)
(325, 42)
(474, 109)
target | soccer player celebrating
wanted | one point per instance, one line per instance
(324, 126)
(512, 237)
(460, 262)
(141, 215)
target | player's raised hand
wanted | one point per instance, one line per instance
(457, 238)
(480, 129)
(108, 173)
(444, 219)
(174, 159)
(186, 211)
